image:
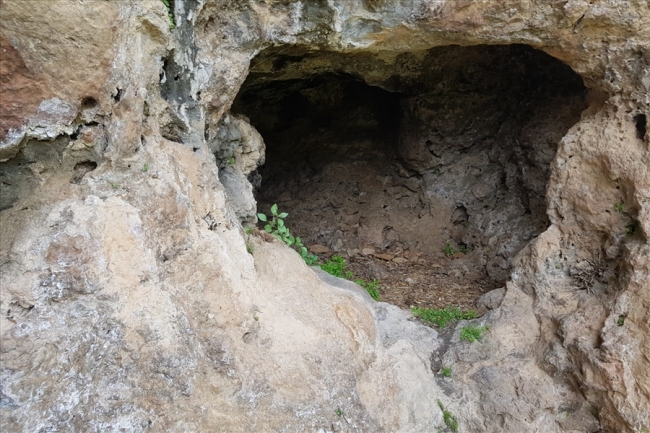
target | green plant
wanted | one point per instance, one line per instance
(463, 248)
(621, 320)
(338, 412)
(446, 371)
(473, 333)
(170, 14)
(449, 419)
(277, 228)
(619, 207)
(335, 265)
(441, 317)
(115, 186)
(372, 287)
(145, 168)
(231, 160)
(448, 249)
(630, 229)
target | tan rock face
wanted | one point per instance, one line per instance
(21, 89)
(130, 300)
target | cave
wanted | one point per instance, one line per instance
(425, 170)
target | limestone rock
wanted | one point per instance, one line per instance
(491, 299)
(130, 300)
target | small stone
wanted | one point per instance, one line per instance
(387, 257)
(319, 249)
(400, 260)
(491, 299)
(367, 251)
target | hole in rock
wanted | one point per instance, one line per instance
(426, 170)
(81, 169)
(88, 103)
(641, 123)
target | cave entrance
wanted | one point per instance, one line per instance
(426, 171)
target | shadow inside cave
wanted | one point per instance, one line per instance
(427, 171)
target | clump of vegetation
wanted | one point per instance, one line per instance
(277, 228)
(449, 419)
(170, 14)
(372, 287)
(448, 249)
(145, 168)
(621, 320)
(630, 229)
(619, 207)
(446, 371)
(338, 412)
(441, 317)
(464, 248)
(473, 333)
(336, 264)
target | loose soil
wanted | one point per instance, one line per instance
(425, 282)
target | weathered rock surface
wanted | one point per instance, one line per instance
(130, 303)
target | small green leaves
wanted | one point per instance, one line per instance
(231, 160)
(336, 264)
(619, 207)
(145, 168)
(170, 14)
(448, 249)
(372, 287)
(449, 419)
(442, 317)
(278, 228)
(446, 371)
(473, 333)
(338, 412)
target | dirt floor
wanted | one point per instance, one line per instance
(426, 282)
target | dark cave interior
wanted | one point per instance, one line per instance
(439, 158)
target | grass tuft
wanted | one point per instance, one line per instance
(442, 317)
(449, 419)
(473, 333)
